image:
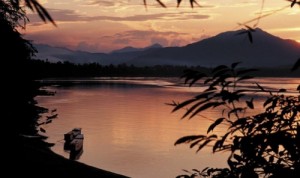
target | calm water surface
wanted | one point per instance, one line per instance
(129, 129)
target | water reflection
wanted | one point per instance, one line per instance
(128, 127)
(75, 155)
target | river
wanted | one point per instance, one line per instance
(129, 128)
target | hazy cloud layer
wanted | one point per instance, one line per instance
(105, 3)
(72, 16)
(107, 43)
(105, 25)
(138, 38)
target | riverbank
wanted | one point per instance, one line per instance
(37, 160)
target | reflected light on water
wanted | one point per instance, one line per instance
(129, 129)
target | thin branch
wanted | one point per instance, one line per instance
(263, 16)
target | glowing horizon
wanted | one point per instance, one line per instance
(103, 25)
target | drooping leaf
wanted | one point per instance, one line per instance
(162, 4)
(221, 73)
(223, 139)
(28, 4)
(172, 104)
(240, 121)
(250, 36)
(260, 87)
(249, 28)
(207, 80)
(183, 104)
(268, 101)
(210, 88)
(42, 130)
(250, 104)
(190, 110)
(203, 145)
(178, 2)
(204, 107)
(220, 80)
(186, 171)
(247, 31)
(204, 95)
(293, 3)
(38, 124)
(240, 91)
(282, 90)
(192, 2)
(296, 65)
(188, 139)
(203, 170)
(195, 143)
(234, 65)
(42, 12)
(219, 68)
(216, 123)
(196, 170)
(214, 136)
(208, 140)
(196, 78)
(191, 75)
(243, 31)
(48, 121)
(227, 83)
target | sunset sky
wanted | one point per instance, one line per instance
(105, 25)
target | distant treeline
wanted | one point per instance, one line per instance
(44, 69)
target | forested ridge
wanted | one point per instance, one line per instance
(44, 69)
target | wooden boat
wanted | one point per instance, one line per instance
(77, 143)
(68, 137)
(75, 155)
(74, 140)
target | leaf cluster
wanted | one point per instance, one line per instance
(13, 11)
(265, 144)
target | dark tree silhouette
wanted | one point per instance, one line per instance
(265, 144)
(19, 112)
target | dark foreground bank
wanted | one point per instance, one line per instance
(36, 160)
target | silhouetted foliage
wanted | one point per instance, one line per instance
(44, 69)
(192, 3)
(13, 11)
(264, 144)
(20, 113)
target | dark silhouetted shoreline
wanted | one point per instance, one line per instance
(37, 160)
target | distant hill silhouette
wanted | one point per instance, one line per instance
(224, 48)
(56, 54)
(132, 49)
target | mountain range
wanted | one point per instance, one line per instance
(266, 50)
